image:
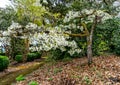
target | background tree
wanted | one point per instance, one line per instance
(29, 11)
(7, 15)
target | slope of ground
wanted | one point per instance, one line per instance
(104, 71)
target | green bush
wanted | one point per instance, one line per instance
(116, 41)
(31, 56)
(109, 33)
(4, 62)
(56, 54)
(19, 58)
(17, 46)
(38, 55)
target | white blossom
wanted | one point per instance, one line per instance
(31, 26)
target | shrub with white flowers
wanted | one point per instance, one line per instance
(42, 41)
(52, 41)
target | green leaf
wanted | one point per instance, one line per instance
(20, 78)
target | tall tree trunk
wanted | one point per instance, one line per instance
(89, 49)
(89, 41)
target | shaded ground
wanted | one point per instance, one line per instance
(104, 71)
(9, 75)
(14, 66)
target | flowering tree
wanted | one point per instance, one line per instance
(84, 16)
(90, 17)
(40, 40)
(93, 17)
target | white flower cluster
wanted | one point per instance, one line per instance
(53, 40)
(5, 41)
(31, 26)
(103, 14)
(14, 26)
(72, 15)
(43, 41)
(28, 30)
(72, 26)
(73, 51)
(5, 33)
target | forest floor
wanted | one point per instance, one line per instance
(104, 71)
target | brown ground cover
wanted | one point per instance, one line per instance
(104, 71)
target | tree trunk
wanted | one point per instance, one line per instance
(7, 50)
(12, 50)
(89, 49)
(26, 50)
(89, 41)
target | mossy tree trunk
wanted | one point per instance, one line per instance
(89, 48)
(26, 50)
(89, 36)
(90, 40)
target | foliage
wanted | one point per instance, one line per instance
(99, 47)
(17, 46)
(44, 41)
(32, 56)
(100, 44)
(6, 17)
(4, 62)
(115, 39)
(20, 78)
(19, 58)
(87, 80)
(106, 37)
(29, 11)
(38, 55)
(33, 83)
(57, 6)
(58, 54)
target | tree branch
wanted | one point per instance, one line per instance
(105, 2)
(86, 32)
